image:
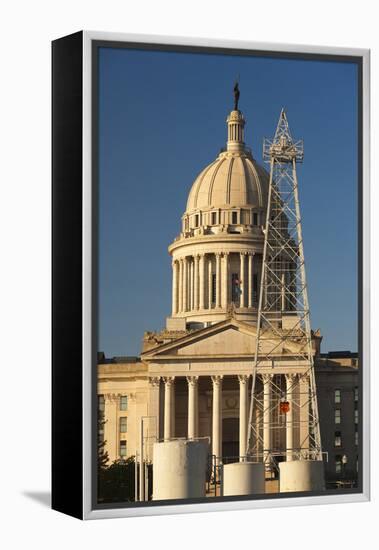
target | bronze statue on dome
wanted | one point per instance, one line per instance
(236, 96)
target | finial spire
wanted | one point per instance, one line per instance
(236, 124)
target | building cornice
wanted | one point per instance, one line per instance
(223, 238)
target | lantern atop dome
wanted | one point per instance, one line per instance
(236, 123)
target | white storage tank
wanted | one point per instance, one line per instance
(243, 478)
(180, 469)
(301, 475)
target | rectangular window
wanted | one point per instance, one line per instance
(123, 403)
(197, 220)
(255, 218)
(356, 416)
(356, 437)
(234, 217)
(123, 424)
(337, 416)
(356, 394)
(101, 403)
(337, 396)
(338, 464)
(123, 448)
(337, 439)
(213, 288)
(214, 218)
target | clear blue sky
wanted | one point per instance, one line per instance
(162, 119)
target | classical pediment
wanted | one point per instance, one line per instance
(221, 338)
(227, 338)
(231, 340)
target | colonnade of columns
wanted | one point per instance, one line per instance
(204, 281)
(265, 418)
(297, 396)
(193, 411)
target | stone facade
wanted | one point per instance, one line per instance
(338, 399)
(192, 407)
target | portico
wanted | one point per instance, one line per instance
(205, 378)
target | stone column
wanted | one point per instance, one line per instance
(210, 284)
(242, 279)
(192, 406)
(185, 281)
(266, 298)
(250, 289)
(218, 279)
(180, 296)
(259, 267)
(168, 402)
(283, 293)
(226, 279)
(266, 379)
(173, 407)
(197, 413)
(153, 408)
(193, 283)
(190, 283)
(243, 380)
(292, 285)
(196, 283)
(217, 418)
(287, 281)
(290, 381)
(201, 281)
(174, 287)
(304, 412)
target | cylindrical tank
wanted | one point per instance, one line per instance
(179, 469)
(301, 475)
(243, 478)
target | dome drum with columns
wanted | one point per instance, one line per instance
(217, 257)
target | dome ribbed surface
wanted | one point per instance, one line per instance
(234, 180)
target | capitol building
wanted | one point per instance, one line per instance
(193, 378)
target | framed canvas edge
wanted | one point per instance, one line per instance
(87, 242)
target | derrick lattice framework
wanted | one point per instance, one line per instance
(283, 416)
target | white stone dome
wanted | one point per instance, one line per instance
(233, 180)
(221, 240)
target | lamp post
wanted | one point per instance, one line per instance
(143, 493)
